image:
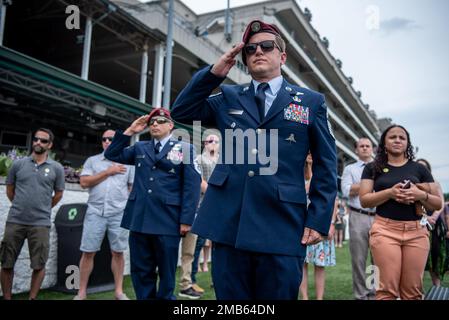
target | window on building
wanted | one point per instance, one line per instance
(14, 139)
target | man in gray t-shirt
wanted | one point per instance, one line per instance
(30, 185)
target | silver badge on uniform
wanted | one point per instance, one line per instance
(291, 138)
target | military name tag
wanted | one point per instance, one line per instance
(235, 112)
(297, 113)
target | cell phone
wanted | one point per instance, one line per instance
(407, 184)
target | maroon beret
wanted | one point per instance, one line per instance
(160, 112)
(257, 26)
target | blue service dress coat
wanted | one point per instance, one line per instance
(257, 212)
(165, 191)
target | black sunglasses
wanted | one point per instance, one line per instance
(211, 141)
(266, 46)
(107, 139)
(44, 141)
(158, 120)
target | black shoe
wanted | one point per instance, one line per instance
(189, 293)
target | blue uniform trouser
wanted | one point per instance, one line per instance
(148, 251)
(245, 275)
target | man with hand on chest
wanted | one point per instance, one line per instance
(262, 226)
(161, 206)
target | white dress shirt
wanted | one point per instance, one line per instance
(163, 142)
(352, 174)
(271, 93)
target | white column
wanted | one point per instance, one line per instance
(2, 21)
(143, 75)
(169, 54)
(86, 49)
(158, 75)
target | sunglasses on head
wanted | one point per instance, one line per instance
(44, 141)
(211, 141)
(266, 46)
(158, 120)
(107, 139)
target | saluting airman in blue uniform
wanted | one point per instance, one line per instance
(259, 223)
(161, 206)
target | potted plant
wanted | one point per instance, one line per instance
(6, 161)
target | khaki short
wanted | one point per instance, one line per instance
(13, 239)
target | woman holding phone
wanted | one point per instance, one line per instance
(398, 186)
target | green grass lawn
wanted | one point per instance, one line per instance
(338, 283)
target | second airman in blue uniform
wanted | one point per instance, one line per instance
(162, 203)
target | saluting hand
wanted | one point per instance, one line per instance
(311, 237)
(222, 67)
(137, 126)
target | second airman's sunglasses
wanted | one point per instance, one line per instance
(158, 120)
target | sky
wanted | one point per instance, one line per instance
(396, 53)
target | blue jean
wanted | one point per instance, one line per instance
(199, 245)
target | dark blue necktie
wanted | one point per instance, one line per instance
(157, 148)
(260, 99)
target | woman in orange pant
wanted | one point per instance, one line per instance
(398, 186)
